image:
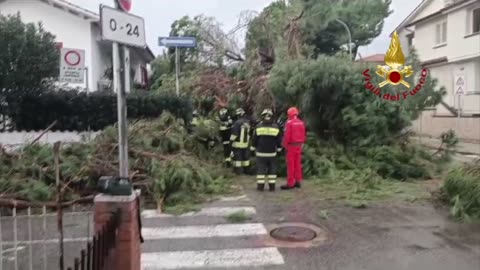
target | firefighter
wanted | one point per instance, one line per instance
(240, 138)
(194, 122)
(226, 123)
(293, 140)
(206, 142)
(266, 144)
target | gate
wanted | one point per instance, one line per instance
(99, 248)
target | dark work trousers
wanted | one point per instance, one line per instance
(241, 160)
(266, 170)
(227, 148)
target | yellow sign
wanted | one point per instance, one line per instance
(394, 71)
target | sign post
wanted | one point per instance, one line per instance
(177, 42)
(72, 66)
(460, 89)
(123, 30)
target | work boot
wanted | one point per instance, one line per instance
(260, 187)
(287, 187)
(298, 185)
(271, 187)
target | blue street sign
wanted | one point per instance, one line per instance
(180, 42)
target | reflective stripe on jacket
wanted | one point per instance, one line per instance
(266, 140)
(240, 136)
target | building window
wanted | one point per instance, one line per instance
(410, 40)
(476, 21)
(441, 33)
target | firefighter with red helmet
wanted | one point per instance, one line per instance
(266, 143)
(293, 140)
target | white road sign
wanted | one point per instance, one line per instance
(460, 84)
(121, 27)
(72, 66)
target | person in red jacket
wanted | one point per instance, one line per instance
(293, 140)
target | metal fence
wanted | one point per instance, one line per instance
(29, 238)
(97, 250)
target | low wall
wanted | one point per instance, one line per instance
(18, 138)
(466, 128)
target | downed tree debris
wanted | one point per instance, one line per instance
(27, 176)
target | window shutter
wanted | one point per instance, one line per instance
(437, 34)
(444, 32)
(476, 21)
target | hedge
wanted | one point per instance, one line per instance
(75, 111)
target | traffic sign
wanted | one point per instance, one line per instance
(72, 66)
(460, 84)
(179, 42)
(125, 5)
(118, 26)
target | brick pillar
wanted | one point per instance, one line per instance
(126, 254)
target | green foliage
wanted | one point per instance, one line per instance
(164, 157)
(326, 159)
(27, 54)
(335, 103)
(36, 110)
(365, 20)
(320, 31)
(462, 190)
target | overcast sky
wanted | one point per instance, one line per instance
(160, 14)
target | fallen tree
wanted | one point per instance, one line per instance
(166, 162)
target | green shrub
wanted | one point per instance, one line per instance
(331, 94)
(462, 189)
(36, 110)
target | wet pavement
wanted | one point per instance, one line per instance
(388, 235)
(384, 235)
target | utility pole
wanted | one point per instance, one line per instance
(177, 71)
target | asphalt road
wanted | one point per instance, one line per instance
(394, 236)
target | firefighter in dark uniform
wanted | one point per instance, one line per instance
(240, 139)
(226, 124)
(266, 143)
(206, 142)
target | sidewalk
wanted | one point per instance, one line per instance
(466, 148)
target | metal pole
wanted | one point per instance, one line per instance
(1, 241)
(44, 227)
(30, 251)
(177, 70)
(87, 90)
(459, 114)
(121, 110)
(86, 80)
(15, 235)
(123, 113)
(349, 37)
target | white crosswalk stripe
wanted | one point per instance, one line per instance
(224, 230)
(210, 211)
(212, 258)
(189, 255)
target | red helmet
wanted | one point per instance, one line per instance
(292, 112)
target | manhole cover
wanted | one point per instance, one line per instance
(293, 234)
(297, 235)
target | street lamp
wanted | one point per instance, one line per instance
(349, 36)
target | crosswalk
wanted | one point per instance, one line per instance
(207, 240)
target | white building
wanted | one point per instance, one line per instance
(446, 35)
(75, 27)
